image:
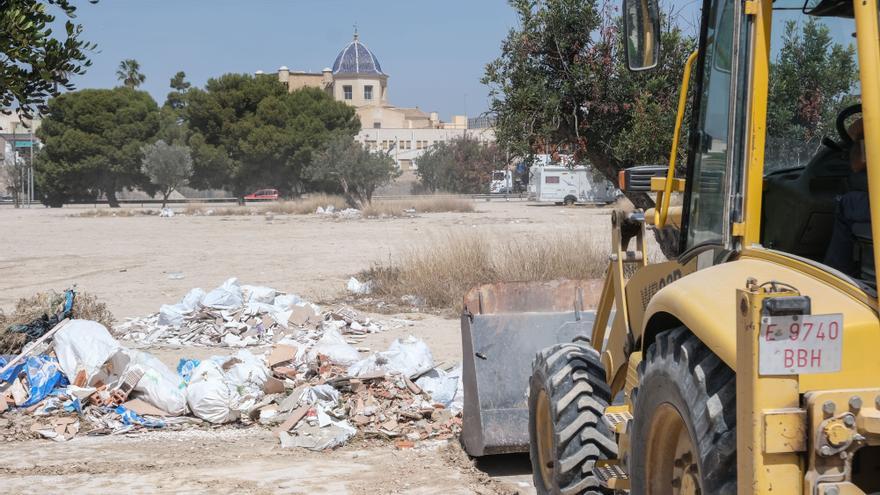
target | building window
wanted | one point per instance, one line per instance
(368, 92)
(371, 145)
(346, 92)
(405, 145)
(377, 125)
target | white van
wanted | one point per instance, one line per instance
(502, 182)
(563, 185)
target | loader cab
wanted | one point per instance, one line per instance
(806, 151)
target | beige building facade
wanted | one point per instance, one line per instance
(357, 79)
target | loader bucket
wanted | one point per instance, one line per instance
(503, 326)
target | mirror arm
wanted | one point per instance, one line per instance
(661, 211)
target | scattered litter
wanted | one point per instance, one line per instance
(356, 287)
(166, 213)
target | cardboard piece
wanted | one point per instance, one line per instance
(273, 386)
(144, 409)
(281, 354)
(295, 417)
(301, 315)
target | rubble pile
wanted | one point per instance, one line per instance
(313, 387)
(345, 214)
(234, 315)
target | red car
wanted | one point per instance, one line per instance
(263, 195)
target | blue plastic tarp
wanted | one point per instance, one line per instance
(130, 417)
(43, 376)
(185, 368)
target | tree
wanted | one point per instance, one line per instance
(462, 165)
(561, 84)
(92, 140)
(799, 114)
(356, 170)
(251, 132)
(168, 167)
(129, 73)
(177, 99)
(35, 64)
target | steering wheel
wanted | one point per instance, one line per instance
(842, 117)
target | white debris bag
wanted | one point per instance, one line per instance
(84, 345)
(323, 395)
(409, 357)
(227, 296)
(334, 346)
(444, 387)
(259, 294)
(210, 396)
(249, 375)
(287, 301)
(172, 315)
(193, 299)
(159, 385)
(355, 286)
(219, 396)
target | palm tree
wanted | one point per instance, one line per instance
(130, 73)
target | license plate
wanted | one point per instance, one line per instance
(800, 345)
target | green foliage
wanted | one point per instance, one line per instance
(462, 165)
(168, 167)
(129, 73)
(92, 140)
(561, 85)
(35, 64)
(177, 99)
(811, 80)
(356, 170)
(250, 132)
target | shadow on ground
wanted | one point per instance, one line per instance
(514, 470)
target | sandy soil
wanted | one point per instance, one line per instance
(126, 262)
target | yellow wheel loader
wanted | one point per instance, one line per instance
(751, 362)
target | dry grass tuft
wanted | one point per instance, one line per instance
(28, 309)
(420, 204)
(116, 212)
(443, 273)
(302, 206)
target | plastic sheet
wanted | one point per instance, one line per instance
(409, 357)
(227, 296)
(43, 376)
(334, 346)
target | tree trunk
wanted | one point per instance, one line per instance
(165, 195)
(111, 199)
(668, 237)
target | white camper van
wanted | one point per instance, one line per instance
(502, 182)
(563, 185)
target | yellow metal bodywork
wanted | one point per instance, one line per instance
(759, 469)
(663, 197)
(712, 314)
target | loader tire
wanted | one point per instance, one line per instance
(684, 420)
(567, 398)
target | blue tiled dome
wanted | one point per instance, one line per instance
(356, 58)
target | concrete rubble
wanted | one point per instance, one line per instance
(308, 381)
(233, 315)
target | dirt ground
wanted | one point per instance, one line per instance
(126, 262)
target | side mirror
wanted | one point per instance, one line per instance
(641, 28)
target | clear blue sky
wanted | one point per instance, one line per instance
(434, 51)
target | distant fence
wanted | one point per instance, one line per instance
(143, 203)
